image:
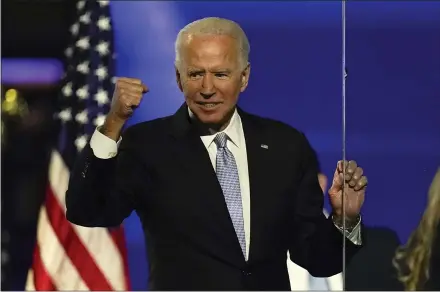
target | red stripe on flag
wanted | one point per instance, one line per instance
(42, 280)
(78, 254)
(118, 236)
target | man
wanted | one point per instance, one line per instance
(222, 194)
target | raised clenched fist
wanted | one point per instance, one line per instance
(126, 98)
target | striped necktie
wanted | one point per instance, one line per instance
(227, 175)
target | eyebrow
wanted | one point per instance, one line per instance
(195, 70)
(224, 70)
(217, 70)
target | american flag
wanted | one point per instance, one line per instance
(67, 256)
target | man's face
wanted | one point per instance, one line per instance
(211, 77)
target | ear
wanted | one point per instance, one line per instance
(178, 79)
(245, 77)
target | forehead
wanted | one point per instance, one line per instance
(210, 51)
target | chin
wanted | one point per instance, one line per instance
(212, 119)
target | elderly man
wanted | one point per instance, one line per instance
(222, 194)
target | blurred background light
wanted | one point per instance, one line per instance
(31, 71)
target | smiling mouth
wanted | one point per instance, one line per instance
(209, 104)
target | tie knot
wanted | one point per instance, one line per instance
(220, 140)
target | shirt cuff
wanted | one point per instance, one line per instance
(102, 146)
(355, 235)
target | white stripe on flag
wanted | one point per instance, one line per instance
(57, 264)
(97, 241)
(30, 281)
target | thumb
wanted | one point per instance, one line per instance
(337, 183)
(145, 88)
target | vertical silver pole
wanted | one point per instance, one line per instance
(344, 76)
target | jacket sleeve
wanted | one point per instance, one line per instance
(316, 243)
(102, 192)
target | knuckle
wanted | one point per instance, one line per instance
(135, 80)
(120, 82)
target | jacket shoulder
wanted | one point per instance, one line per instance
(147, 129)
(281, 132)
(274, 126)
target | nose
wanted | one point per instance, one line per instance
(208, 88)
(207, 95)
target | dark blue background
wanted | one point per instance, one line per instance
(393, 87)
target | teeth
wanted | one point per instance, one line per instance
(209, 105)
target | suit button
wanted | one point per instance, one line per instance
(246, 273)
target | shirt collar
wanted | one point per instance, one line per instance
(234, 130)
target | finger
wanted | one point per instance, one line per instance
(129, 93)
(349, 171)
(338, 181)
(129, 80)
(340, 165)
(361, 184)
(130, 87)
(336, 187)
(356, 176)
(131, 104)
(131, 100)
(145, 88)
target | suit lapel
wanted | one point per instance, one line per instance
(258, 162)
(194, 160)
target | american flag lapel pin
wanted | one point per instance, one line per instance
(264, 146)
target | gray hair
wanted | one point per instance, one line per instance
(214, 26)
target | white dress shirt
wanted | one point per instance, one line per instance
(105, 148)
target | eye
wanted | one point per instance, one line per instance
(221, 75)
(195, 74)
